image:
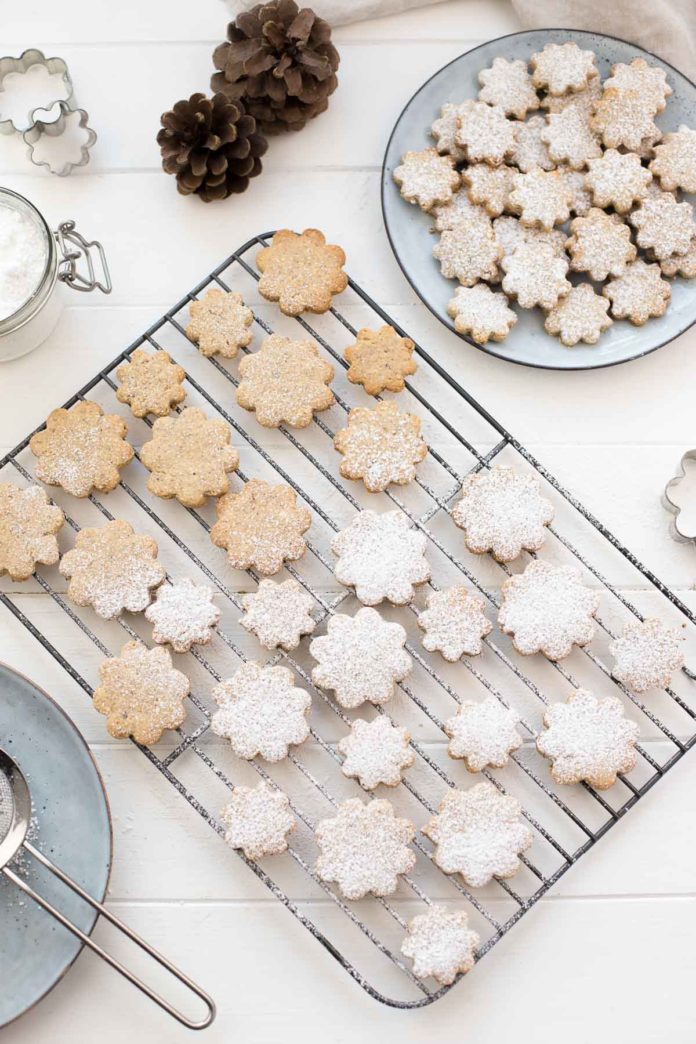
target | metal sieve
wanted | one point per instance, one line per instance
(15, 818)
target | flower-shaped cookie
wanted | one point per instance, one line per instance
(489, 186)
(483, 734)
(150, 383)
(624, 117)
(441, 944)
(548, 609)
(81, 449)
(112, 569)
(380, 446)
(220, 323)
(600, 244)
(508, 85)
(380, 360)
(381, 557)
(285, 381)
(580, 195)
(190, 457)
(454, 623)
(563, 68)
(646, 654)
(376, 752)
(360, 658)
(364, 848)
(278, 613)
(580, 316)
(261, 711)
(588, 739)
(446, 126)
(681, 264)
(468, 252)
(183, 614)
(511, 233)
(663, 225)
(449, 215)
(261, 527)
(617, 180)
(258, 820)
(427, 178)
(28, 527)
(481, 313)
(502, 511)
(541, 197)
(486, 133)
(639, 294)
(584, 99)
(141, 693)
(570, 137)
(478, 833)
(649, 80)
(301, 272)
(531, 151)
(675, 160)
(536, 275)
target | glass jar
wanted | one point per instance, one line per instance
(33, 321)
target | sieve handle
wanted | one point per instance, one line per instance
(121, 927)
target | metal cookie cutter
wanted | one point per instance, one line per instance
(26, 61)
(683, 524)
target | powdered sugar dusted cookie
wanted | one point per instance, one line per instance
(220, 324)
(364, 848)
(580, 195)
(150, 383)
(570, 137)
(481, 313)
(380, 446)
(648, 80)
(478, 833)
(285, 382)
(427, 178)
(141, 694)
(446, 126)
(563, 68)
(278, 613)
(28, 527)
(380, 360)
(580, 316)
(510, 234)
(541, 198)
(530, 151)
(663, 225)
(183, 614)
(617, 180)
(647, 654)
(258, 820)
(486, 134)
(451, 214)
(261, 711)
(489, 186)
(535, 275)
(376, 752)
(624, 117)
(441, 944)
(261, 527)
(683, 265)
(675, 160)
(360, 658)
(508, 85)
(468, 252)
(639, 294)
(454, 623)
(600, 244)
(584, 99)
(381, 557)
(483, 734)
(502, 511)
(548, 609)
(588, 739)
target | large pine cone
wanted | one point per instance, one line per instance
(211, 145)
(280, 62)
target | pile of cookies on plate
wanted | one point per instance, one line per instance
(552, 173)
(365, 847)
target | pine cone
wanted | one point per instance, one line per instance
(211, 145)
(280, 62)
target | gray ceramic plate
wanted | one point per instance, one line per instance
(409, 232)
(71, 824)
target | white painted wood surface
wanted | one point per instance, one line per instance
(609, 956)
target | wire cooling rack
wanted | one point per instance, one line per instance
(365, 936)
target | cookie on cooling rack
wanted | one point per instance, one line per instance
(183, 614)
(589, 739)
(380, 446)
(301, 272)
(220, 324)
(483, 734)
(381, 557)
(285, 382)
(278, 613)
(258, 820)
(376, 752)
(380, 360)
(28, 528)
(479, 834)
(150, 383)
(454, 623)
(646, 654)
(365, 848)
(261, 527)
(440, 944)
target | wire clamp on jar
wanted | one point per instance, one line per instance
(73, 247)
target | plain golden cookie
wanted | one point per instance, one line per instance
(141, 694)
(380, 360)
(150, 383)
(28, 527)
(220, 323)
(261, 527)
(301, 272)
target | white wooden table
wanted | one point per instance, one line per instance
(609, 955)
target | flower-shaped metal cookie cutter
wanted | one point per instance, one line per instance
(683, 524)
(55, 128)
(30, 59)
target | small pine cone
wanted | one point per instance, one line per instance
(211, 145)
(280, 62)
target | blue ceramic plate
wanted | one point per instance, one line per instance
(412, 241)
(71, 825)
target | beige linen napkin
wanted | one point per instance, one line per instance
(338, 12)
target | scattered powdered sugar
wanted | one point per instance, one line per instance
(183, 614)
(483, 734)
(23, 257)
(441, 944)
(502, 511)
(454, 623)
(381, 556)
(588, 739)
(258, 820)
(261, 712)
(364, 848)
(376, 752)
(380, 446)
(278, 613)
(646, 654)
